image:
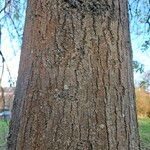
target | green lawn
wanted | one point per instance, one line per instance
(144, 129)
(3, 134)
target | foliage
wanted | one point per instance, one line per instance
(138, 67)
(145, 82)
(144, 130)
(143, 102)
(146, 45)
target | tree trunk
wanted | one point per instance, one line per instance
(75, 85)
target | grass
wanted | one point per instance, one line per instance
(3, 133)
(144, 130)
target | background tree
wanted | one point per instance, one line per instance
(143, 102)
(145, 82)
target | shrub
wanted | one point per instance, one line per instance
(142, 102)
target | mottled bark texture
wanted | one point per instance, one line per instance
(75, 85)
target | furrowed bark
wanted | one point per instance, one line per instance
(75, 86)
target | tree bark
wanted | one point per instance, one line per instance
(75, 85)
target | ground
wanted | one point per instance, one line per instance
(144, 129)
(3, 133)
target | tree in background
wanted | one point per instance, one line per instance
(75, 84)
(143, 96)
(143, 102)
(145, 82)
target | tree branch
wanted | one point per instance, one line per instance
(6, 4)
